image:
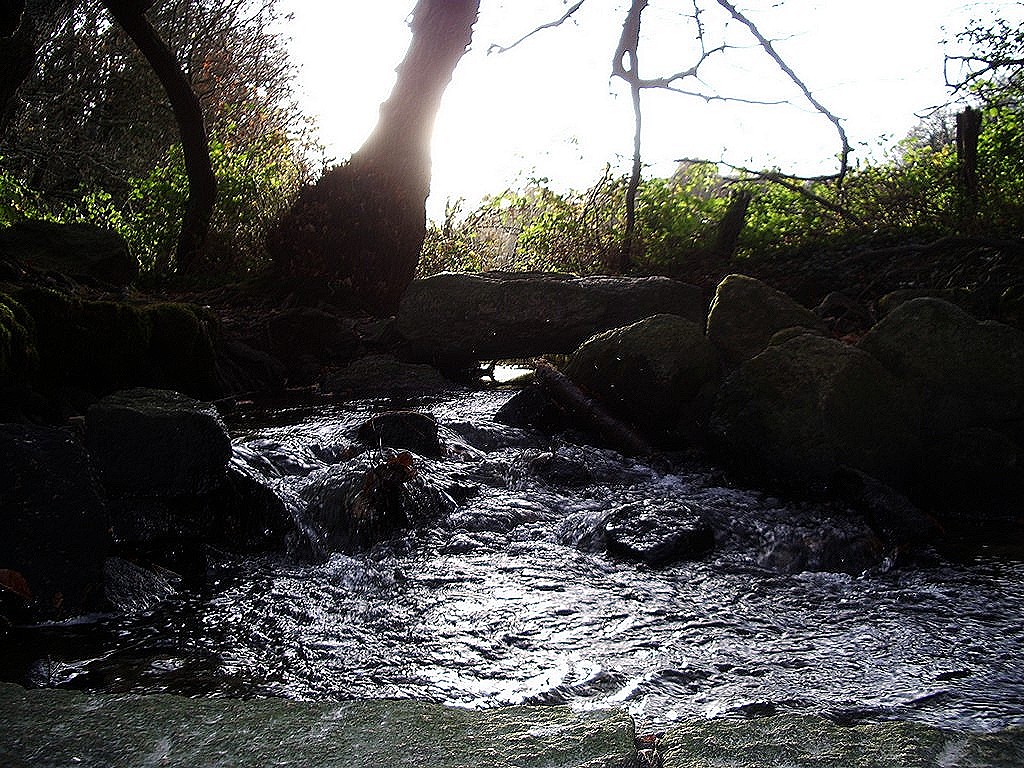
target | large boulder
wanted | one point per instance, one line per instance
(957, 372)
(78, 250)
(459, 317)
(150, 442)
(746, 313)
(55, 526)
(304, 338)
(658, 374)
(807, 406)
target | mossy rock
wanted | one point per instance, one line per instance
(79, 250)
(103, 346)
(19, 358)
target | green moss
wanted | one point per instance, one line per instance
(181, 354)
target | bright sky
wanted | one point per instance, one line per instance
(548, 108)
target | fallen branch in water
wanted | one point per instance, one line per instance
(588, 413)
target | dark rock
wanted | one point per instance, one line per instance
(411, 430)
(242, 369)
(802, 409)
(851, 552)
(899, 522)
(355, 505)
(746, 313)
(658, 374)
(384, 374)
(55, 525)
(657, 533)
(78, 250)
(304, 338)
(975, 303)
(150, 443)
(533, 407)
(458, 318)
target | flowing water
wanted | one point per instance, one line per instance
(510, 598)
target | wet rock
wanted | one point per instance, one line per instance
(130, 588)
(354, 505)
(899, 522)
(831, 551)
(533, 407)
(800, 410)
(658, 374)
(77, 250)
(55, 524)
(384, 374)
(149, 442)
(657, 533)
(556, 468)
(746, 313)
(411, 430)
(460, 318)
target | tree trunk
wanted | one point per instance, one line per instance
(202, 184)
(968, 130)
(729, 228)
(362, 226)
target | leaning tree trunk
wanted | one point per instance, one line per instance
(202, 184)
(362, 226)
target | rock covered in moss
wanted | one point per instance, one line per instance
(746, 313)
(102, 346)
(803, 408)
(958, 372)
(658, 374)
(78, 250)
(497, 316)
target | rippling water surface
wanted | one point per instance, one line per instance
(509, 600)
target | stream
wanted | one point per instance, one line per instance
(511, 598)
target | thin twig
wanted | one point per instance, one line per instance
(495, 48)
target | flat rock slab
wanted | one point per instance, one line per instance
(68, 728)
(498, 316)
(797, 741)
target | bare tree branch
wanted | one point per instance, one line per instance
(495, 48)
(797, 184)
(766, 44)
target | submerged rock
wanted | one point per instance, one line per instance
(411, 430)
(746, 313)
